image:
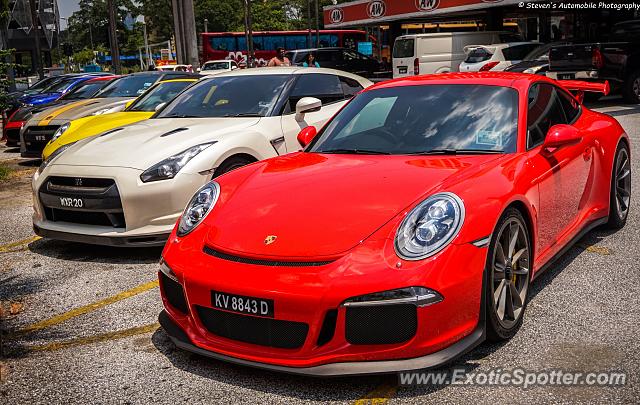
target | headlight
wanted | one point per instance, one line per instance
(168, 168)
(53, 156)
(430, 226)
(60, 131)
(198, 208)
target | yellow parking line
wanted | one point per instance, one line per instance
(103, 337)
(88, 308)
(601, 250)
(381, 395)
(10, 246)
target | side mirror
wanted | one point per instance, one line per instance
(561, 135)
(306, 135)
(160, 106)
(307, 105)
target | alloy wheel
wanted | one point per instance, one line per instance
(510, 272)
(623, 183)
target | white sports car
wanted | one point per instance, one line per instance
(129, 185)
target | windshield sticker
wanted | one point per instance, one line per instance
(491, 138)
(222, 101)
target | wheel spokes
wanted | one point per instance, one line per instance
(513, 240)
(518, 255)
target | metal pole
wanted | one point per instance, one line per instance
(317, 26)
(206, 25)
(309, 22)
(190, 36)
(36, 35)
(146, 42)
(248, 33)
(179, 30)
(113, 37)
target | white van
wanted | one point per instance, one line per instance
(440, 52)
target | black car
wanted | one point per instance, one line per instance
(343, 59)
(536, 61)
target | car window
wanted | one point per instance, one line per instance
(325, 87)
(518, 52)
(544, 111)
(129, 86)
(326, 56)
(162, 93)
(419, 119)
(59, 86)
(403, 48)
(478, 55)
(349, 86)
(86, 90)
(570, 106)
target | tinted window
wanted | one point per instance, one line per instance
(478, 55)
(257, 43)
(403, 48)
(41, 84)
(162, 93)
(325, 87)
(86, 90)
(297, 41)
(59, 86)
(518, 52)
(128, 86)
(417, 119)
(216, 66)
(544, 112)
(273, 42)
(570, 106)
(223, 43)
(229, 96)
(328, 40)
(349, 86)
(327, 56)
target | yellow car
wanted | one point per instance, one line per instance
(140, 109)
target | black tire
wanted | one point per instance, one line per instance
(518, 273)
(620, 190)
(631, 89)
(232, 163)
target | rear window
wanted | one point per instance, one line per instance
(403, 48)
(518, 52)
(478, 55)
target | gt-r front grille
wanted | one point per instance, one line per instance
(250, 329)
(36, 137)
(174, 293)
(381, 324)
(82, 200)
(262, 262)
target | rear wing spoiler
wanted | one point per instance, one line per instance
(579, 87)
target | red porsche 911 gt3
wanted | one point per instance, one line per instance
(407, 231)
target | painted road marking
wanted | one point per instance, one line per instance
(381, 395)
(12, 247)
(103, 337)
(601, 250)
(88, 308)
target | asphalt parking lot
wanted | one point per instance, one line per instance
(79, 324)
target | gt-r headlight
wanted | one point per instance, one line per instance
(60, 131)
(430, 226)
(198, 208)
(53, 156)
(168, 168)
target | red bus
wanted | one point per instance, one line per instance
(233, 45)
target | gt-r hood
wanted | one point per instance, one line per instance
(82, 108)
(141, 145)
(321, 205)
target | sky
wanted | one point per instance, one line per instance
(67, 7)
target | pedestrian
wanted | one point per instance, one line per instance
(311, 61)
(280, 59)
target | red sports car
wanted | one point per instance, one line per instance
(407, 231)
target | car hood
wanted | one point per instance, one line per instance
(95, 124)
(77, 109)
(141, 145)
(40, 98)
(322, 205)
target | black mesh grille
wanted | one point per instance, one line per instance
(381, 324)
(174, 293)
(328, 327)
(251, 329)
(13, 135)
(36, 137)
(262, 262)
(115, 220)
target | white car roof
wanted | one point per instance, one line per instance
(293, 70)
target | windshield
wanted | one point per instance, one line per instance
(58, 87)
(228, 96)
(128, 86)
(542, 52)
(518, 52)
(423, 119)
(86, 90)
(42, 84)
(161, 93)
(216, 66)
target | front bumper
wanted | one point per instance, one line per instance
(306, 295)
(131, 213)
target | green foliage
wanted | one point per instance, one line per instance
(84, 56)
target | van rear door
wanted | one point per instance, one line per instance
(403, 56)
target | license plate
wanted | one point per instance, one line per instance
(242, 304)
(402, 69)
(70, 202)
(566, 76)
(40, 138)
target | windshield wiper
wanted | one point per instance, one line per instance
(353, 151)
(181, 116)
(243, 115)
(450, 151)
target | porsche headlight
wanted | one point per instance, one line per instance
(168, 168)
(430, 226)
(53, 156)
(60, 131)
(198, 208)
